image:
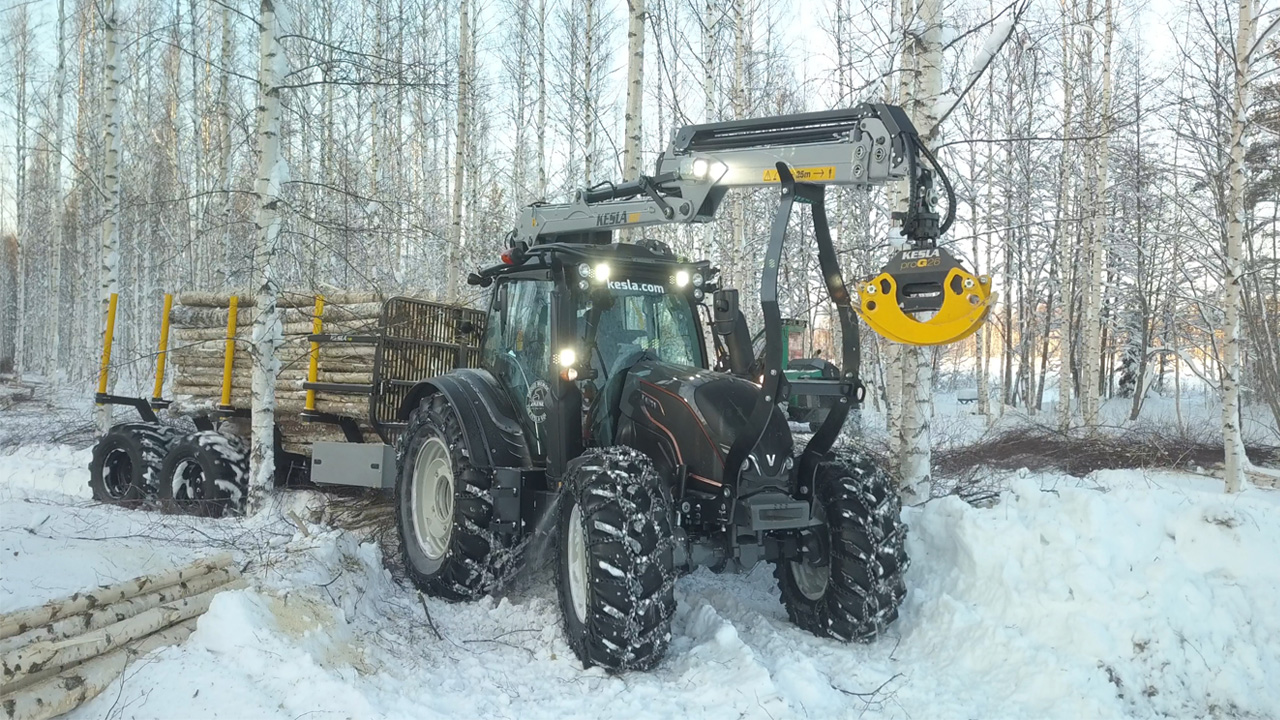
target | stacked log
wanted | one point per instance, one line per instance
(198, 342)
(61, 654)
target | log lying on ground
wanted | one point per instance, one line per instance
(20, 667)
(71, 688)
(115, 612)
(23, 620)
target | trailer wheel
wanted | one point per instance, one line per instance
(444, 506)
(615, 561)
(852, 593)
(126, 463)
(206, 474)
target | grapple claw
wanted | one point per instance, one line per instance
(925, 281)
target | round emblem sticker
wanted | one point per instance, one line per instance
(536, 401)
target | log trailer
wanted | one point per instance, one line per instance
(586, 408)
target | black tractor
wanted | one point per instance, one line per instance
(596, 421)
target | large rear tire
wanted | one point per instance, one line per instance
(615, 561)
(205, 473)
(444, 506)
(855, 595)
(126, 463)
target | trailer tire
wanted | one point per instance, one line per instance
(206, 474)
(444, 506)
(126, 463)
(857, 594)
(615, 565)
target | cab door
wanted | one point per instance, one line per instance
(517, 350)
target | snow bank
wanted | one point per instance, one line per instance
(46, 468)
(1143, 595)
(1120, 595)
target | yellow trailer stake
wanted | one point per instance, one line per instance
(164, 347)
(106, 345)
(314, 368)
(229, 355)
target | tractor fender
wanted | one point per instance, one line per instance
(490, 431)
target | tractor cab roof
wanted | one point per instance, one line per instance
(596, 256)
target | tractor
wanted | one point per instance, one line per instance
(595, 419)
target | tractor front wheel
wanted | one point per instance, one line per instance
(444, 506)
(849, 583)
(615, 561)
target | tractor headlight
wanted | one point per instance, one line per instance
(602, 272)
(697, 280)
(700, 169)
(697, 293)
(583, 285)
(584, 270)
(567, 357)
(682, 278)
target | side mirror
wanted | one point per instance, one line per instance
(724, 311)
(466, 327)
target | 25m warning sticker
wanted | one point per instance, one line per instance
(809, 174)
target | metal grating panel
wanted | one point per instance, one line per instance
(420, 340)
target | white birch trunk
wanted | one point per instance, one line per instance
(55, 175)
(459, 150)
(542, 100)
(635, 89)
(267, 326)
(1236, 460)
(109, 270)
(589, 100)
(1064, 246)
(917, 366)
(1090, 363)
(224, 166)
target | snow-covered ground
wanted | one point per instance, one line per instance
(1118, 595)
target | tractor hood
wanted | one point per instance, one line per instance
(691, 417)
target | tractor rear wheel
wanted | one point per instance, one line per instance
(126, 463)
(615, 561)
(852, 593)
(444, 506)
(205, 473)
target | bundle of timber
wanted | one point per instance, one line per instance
(201, 325)
(61, 654)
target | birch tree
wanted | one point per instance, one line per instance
(1233, 441)
(462, 132)
(268, 332)
(635, 89)
(1090, 401)
(109, 270)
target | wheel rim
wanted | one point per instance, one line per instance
(117, 473)
(577, 561)
(433, 498)
(188, 481)
(811, 580)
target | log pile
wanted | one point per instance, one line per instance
(198, 342)
(61, 654)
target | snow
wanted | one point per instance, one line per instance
(1123, 594)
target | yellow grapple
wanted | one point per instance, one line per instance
(930, 284)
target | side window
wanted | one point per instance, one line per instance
(495, 328)
(521, 356)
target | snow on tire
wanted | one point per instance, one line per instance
(615, 561)
(205, 473)
(856, 595)
(126, 463)
(444, 506)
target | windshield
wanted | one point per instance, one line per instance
(631, 321)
